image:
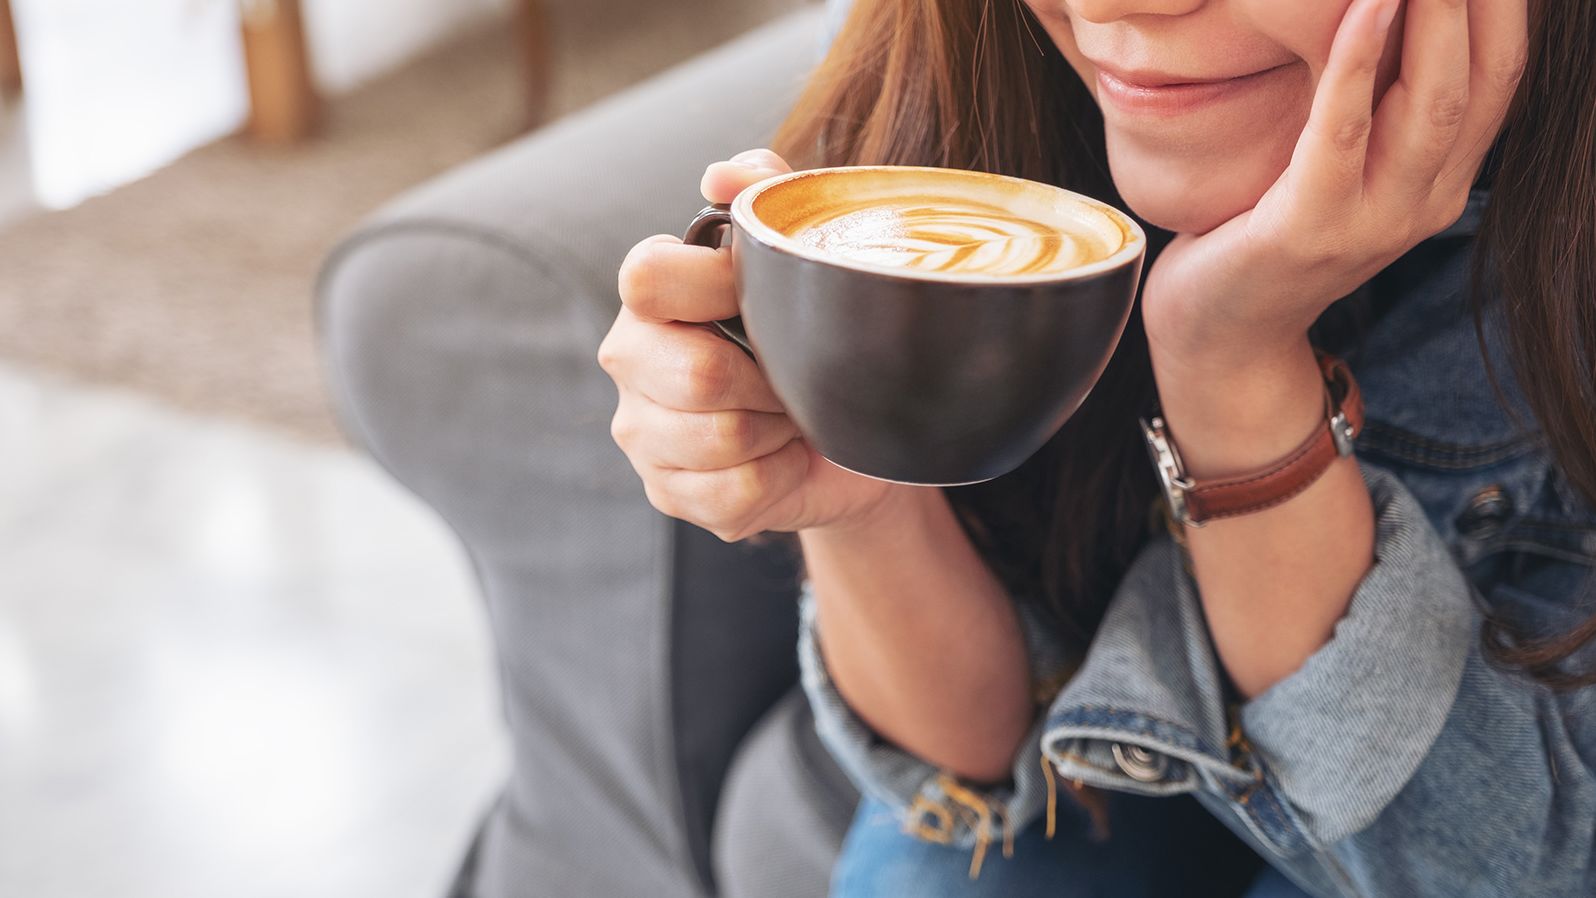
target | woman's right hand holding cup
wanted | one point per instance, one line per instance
(696, 417)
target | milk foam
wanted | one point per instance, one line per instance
(948, 234)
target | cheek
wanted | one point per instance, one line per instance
(1192, 176)
(1196, 188)
(1306, 28)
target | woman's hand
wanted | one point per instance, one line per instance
(696, 416)
(1227, 312)
(1363, 186)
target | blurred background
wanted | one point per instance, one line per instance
(235, 659)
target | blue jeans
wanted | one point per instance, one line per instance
(1157, 848)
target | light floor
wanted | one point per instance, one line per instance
(230, 665)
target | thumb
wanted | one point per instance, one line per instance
(724, 180)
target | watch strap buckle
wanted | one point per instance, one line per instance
(1342, 433)
(1192, 502)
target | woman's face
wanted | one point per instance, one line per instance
(1189, 157)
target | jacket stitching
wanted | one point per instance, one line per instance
(1403, 445)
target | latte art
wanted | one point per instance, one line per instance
(948, 234)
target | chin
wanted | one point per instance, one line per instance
(1189, 193)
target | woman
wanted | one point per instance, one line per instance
(1376, 682)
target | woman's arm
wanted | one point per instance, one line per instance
(1226, 311)
(1396, 761)
(920, 638)
(1273, 583)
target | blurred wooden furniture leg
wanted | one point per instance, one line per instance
(532, 39)
(282, 95)
(10, 59)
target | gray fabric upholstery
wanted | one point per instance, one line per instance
(776, 775)
(460, 327)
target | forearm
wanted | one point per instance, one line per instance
(920, 638)
(1398, 744)
(1273, 583)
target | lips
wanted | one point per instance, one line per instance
(1161, 93)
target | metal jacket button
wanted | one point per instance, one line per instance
(1486, 513)
(1139, 763)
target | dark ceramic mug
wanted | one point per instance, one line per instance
(929, 378)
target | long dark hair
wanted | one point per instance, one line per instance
(978, 84)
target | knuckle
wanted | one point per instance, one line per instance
(747, 485)
(708, 376)
(733, 432)
(1507, 72)
(1448, 107)
(1350, 137)
(621, 430)
(662, 500)
(608, 353)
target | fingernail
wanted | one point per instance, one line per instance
(740, 163)
(749, 156)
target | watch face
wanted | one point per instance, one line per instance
(1167, 464)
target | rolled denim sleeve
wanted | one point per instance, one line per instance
(1395, 761)
(933, 804)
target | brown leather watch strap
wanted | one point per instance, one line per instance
(1207, 500)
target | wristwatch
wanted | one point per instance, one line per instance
(1192, 503)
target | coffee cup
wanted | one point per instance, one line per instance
(924, 325)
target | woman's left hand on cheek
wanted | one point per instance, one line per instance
(1362, 188)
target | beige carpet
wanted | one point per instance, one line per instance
(194, 284)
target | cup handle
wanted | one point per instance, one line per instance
(706, 229)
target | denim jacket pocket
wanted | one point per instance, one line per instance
(1470, 491)
(1524, 537)
(1488, 497)
(1559, 524)
(1539, 575)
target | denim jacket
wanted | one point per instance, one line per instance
(1397, 761)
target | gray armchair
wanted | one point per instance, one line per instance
(661, 747)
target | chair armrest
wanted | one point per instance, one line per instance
(460, 327)
(532, 231)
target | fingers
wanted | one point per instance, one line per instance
(696, 441)
(663, 279)
(686, 367)
(1419, 119)
(1331, 155)
(730, 501)
(1498, 44)
(724, 180)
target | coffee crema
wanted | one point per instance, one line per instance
(937, 223)
(947, 234)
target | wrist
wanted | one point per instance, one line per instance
(1231, 416)
(897, 505)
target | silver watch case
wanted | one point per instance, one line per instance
(1171, 470)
